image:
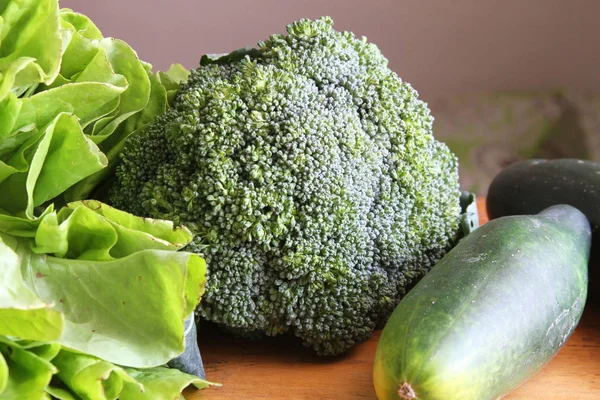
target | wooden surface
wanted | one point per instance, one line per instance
(281, 368)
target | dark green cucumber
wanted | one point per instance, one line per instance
(491, 313)
(528, 187)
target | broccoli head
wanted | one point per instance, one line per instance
(308, 171)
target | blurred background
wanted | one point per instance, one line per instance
(504, 80)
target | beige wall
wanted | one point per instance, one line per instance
(441, 46)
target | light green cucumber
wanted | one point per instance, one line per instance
(493, 312)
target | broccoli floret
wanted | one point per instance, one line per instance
(309, 173)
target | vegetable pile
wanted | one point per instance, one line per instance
(305, 172)
(309, 173)
(92, 299)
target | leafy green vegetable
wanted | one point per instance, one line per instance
(86, 291)
(22, 312)
(31, 44)
(38, 370)
(106, 287)
(89, 377)
(103, 296)
(98, 82)
(28, 373)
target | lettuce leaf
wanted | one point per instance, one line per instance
(159, 383)
(28, 374)
(35, 370)
(22, 312)
(91, 378)
(30, 44)
(102, 284)
(105, 287)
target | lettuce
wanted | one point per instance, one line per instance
(35, 370)
(92, 299)
(90, 91)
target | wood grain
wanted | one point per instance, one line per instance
(281, 368)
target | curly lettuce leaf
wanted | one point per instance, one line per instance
(9, 112)
(91, 378)
(23, 313)
(113, 288)
(63, 147)
(104, 314)
(160, 383)
(30, 44)
(38, 370)
(22, 226)
(92, 230)
(28, 373)
(101, 281)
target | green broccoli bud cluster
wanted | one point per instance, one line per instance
(308, 171)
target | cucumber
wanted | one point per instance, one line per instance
(528, 187)
(491, 313)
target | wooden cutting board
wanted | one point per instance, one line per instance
(281, 368)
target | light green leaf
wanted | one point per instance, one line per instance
(99, 69)
(172, 79)
(19, 76)
(44, 350)
(21, 226)
(148, 233)
(61, 393)
(126, 328)
(38, 322)
(31, 44)
(9, 110)
(91, 378)
(178, 73)
(159, 383)
(22, 313)
(14, 144)
(86, 100)
(70, 158)
(85, 60)
(104, 313)
(79, 52)
(28, 374)
(91, 230)
(6, 171)
(157, 104)
(3, 374)
(61, 158)
(84, 235)
(80, 23)
(125, 62)
(57, 82)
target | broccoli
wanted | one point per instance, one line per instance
(308, 171)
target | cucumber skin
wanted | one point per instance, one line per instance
(491, 313)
